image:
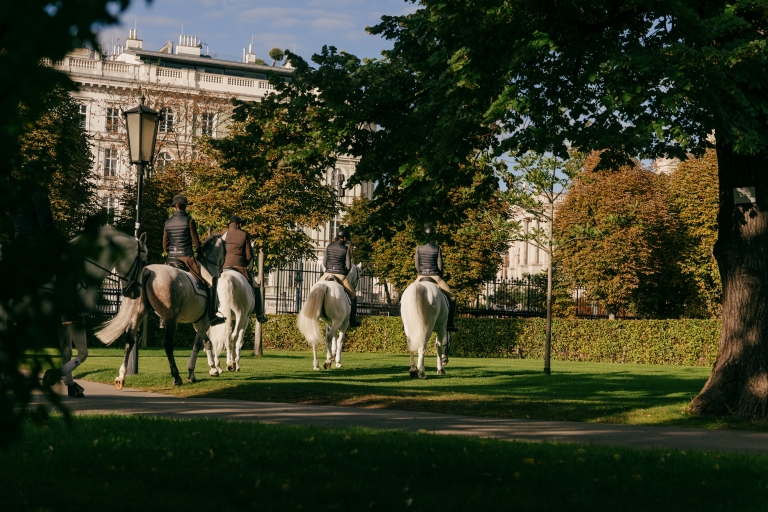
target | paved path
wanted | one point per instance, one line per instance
(105, 399)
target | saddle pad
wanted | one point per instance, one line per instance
(199, 290)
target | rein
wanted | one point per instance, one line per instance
(132, 275)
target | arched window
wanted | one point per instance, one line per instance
(166, 120)
(164, 159)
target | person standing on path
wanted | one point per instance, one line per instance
(429, 263)
(239, 257)
(179, 237)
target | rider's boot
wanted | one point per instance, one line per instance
(451, 316)
(214, 317)
(258, 306)
(353, 321)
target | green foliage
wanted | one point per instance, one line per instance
(276, 54)
(693, 194)
(670, 342)
(621, 231)
(33, 34)
(59, 144)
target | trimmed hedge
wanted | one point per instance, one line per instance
(676, 342)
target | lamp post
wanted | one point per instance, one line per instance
(141, 127)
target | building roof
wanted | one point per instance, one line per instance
(193, 62)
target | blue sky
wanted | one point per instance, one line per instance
(227, 26)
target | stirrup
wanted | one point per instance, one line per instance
(75, 391)
(262, 319)
(216, 320)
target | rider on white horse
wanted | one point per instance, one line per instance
(338, 263)
(179, 237)
(429, 263)
(239, 257)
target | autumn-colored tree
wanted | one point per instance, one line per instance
(58, 143)
(693, 195)
(620, 225)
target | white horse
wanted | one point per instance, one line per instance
(235, 295)
(424, 309)
(177, 298)
(120, 255)
(326, 300)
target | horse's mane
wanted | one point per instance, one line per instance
(209, 242)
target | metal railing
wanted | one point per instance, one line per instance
(586, 308)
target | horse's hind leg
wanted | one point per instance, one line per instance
(338, 343)
(238, 348)
(170, 333)
(77, 333)
(328, 347)
(413, 371)
(422, 373)
(315, 364)
(200, 335)
(441, 344)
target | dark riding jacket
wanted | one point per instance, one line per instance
(239, 251)
(429, 260)
(180, 235)
(337, 258)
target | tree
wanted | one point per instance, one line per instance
(534, 187)
(693, 195)
(648, 79)
(30, 320)
(276, 54)
(58, 142)
(620, 228)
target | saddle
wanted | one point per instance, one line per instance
(426, 279)
(176, 263)
(333, 278)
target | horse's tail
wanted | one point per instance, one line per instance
(113, 329)
(415, 322)
(310, 315)
(220, 333)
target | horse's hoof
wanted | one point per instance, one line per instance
(237, 368)
(414, 374)
(441, 372)
(230, 368)
(51, 377)
(445, 360)
(338, 365)
(119, 383)
(177, 381)
(327, 365)
(191, 380)
(422, 375)
(316, 368)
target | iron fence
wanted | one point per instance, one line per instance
(506, 298)
(586, 308)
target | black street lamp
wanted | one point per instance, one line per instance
(141, 126)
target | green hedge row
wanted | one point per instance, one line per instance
(677, 342)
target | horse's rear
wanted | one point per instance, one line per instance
(329, 301)
(235, 296)
(424, 310)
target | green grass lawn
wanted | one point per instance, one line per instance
(501, 388)
(128, 464)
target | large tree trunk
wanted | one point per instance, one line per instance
(739, 380)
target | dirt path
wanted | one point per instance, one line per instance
(105, 399)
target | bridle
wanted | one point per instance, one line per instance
(132, 276)
(205, 257)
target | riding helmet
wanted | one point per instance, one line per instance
(429, 230)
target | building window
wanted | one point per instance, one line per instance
(337, 182)
(525, 245)
(538, 249)
(333, 227)
(108, 207)
(166, 120)
(110, 163)
(164, 159)
(113, 119)
(84, 117)
(206, 123)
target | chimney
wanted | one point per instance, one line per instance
(250, 57)
(167, 47)
(133, 41)
(188, 45)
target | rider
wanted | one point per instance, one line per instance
(179, 237)
(338, 262)
(33, 222)
(239, 256)
(429, 263)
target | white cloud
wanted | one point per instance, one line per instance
(330, 23)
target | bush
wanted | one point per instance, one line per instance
(677, 342)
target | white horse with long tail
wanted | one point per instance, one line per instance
(235, 296)
(424, 310)
(121, 256)
(327, 300)
(177, 298)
